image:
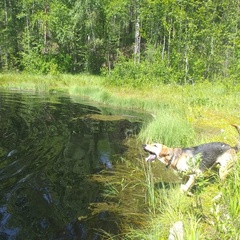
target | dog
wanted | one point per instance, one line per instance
(193, 161)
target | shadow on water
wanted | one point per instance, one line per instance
(49, 149)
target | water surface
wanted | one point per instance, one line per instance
(50, 147)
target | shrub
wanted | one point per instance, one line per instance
(148, 71)
(36, 63)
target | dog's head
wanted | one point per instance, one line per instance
(157, 151)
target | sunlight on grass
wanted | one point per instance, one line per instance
(169, 127)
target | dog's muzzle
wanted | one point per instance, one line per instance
(152, 156)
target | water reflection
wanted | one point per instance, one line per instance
(48, 147)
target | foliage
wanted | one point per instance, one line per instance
(226, 212)
(150, 71)
(135, 42)
(46, 64)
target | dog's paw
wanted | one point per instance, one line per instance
(184, 188)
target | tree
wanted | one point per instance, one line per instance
(186, 41)
(10, 29)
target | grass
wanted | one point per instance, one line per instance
(227, 211)
(181, 116)
(202, 218)
(170, 126)
(196, 99)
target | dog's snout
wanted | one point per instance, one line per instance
(144, 145)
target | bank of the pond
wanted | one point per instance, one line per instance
(208, 107)
(182, 116)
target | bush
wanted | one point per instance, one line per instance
(36, 63)
(151, 70)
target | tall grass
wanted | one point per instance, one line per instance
(170, 206)
(227, 211)
(170, 127)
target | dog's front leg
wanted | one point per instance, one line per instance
(189, 184)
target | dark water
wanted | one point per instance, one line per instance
(49, 146)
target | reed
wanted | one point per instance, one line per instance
(170, 206)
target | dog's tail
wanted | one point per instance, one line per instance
(237, 147)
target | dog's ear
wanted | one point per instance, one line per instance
(165, 151)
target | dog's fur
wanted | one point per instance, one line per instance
(194, 161)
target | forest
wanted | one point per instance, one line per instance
(137, 41)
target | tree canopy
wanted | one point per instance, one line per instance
(181, 41)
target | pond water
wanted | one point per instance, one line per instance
(50, 146)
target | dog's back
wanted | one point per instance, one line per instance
(209, 153)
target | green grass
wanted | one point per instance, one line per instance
(169, 126)
(227, 211)
(202, 218)
(194, 99)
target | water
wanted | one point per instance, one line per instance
(50, 147)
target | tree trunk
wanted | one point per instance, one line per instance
(45, 49)
(137, 34)
(186, 65)
(6, 64)
(137, 41)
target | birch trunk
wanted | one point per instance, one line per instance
(137, 33)
(137, 41)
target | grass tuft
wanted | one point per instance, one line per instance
(169, 127)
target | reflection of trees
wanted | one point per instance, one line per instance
(47, 151)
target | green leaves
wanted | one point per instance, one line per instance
(193, 40)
